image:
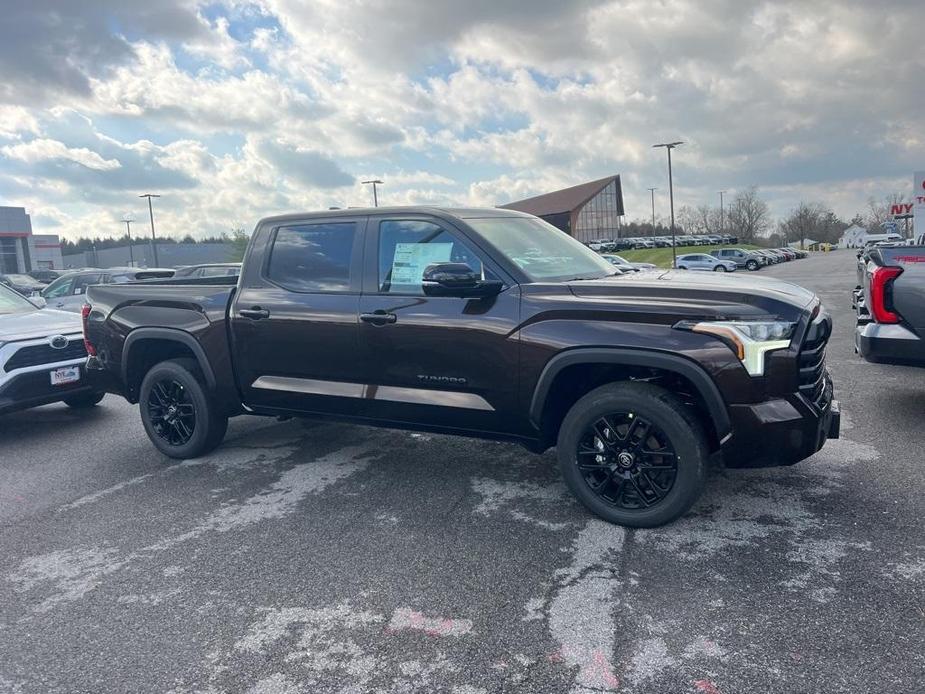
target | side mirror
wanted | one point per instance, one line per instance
(457, 279)
(38, 300)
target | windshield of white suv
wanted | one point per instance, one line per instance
(12, 302)
(540, 250)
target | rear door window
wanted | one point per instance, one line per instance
(313, 257)
(84, 281)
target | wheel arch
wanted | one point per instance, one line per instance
(145, 347)
(620, 363)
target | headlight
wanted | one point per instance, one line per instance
(750, 340)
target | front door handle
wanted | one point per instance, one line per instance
(254, 313)
(378, 318)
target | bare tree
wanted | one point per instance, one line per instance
(812, 221)
(748, 215)
(880, 211)
(688, 220)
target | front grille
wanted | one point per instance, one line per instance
(36, 355)
(813, 376)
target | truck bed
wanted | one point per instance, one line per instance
(131, 317)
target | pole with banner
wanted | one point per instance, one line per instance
(918, 204)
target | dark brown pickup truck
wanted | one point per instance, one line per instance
(484, 323)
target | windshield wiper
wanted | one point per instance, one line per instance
(616, 273)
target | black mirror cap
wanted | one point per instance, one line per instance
(458, 280)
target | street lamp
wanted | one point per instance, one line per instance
(670, 146)
(128, 219)
(151, 215)
(374, 183)
(722, 214)
(652, 190)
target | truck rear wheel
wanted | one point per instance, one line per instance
(179, 415)
(633, 454)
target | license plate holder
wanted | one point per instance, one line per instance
(65, 375)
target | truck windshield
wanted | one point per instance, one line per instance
(540, 250)
(12, 302)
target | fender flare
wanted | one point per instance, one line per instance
(693, 372)
(173, 335)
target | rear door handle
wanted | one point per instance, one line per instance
(378, 318)
(254, 313)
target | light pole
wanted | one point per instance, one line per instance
(670, 146)
(722, 214)
(652, 191)
(128, 219)
(374, 182)
(151, 215)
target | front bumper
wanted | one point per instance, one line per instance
(34, 388)
(782, 431)
(889, 344)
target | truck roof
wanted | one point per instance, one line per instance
(458, 212)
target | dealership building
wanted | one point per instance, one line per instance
(22, 251)
(588, 211)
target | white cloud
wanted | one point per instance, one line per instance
(251, 108)
(41, 149)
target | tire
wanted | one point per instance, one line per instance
(84, 400)
(671, 427)
(682, 267)
(195, 426)
(751, 265)
(720, 268)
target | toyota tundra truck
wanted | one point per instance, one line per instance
(486, 323)
(890, 304)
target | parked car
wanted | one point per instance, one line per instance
(67, 293)
(45, 275)
(42, 356)
(625, 265)
(773, 258)
(487, 323)
(890, 305)
(209, 270)
(741, 257)
(25, 285)
(702, 261)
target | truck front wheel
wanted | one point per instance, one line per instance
(178, 413)
(633, 454)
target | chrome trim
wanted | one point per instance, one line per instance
(414, 396)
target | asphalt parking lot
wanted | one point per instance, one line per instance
(309, 557)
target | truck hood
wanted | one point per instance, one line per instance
(700, 293)
(38, 323)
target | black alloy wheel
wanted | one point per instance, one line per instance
(627, 461)
(171, 411)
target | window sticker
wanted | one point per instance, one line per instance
(411, 259)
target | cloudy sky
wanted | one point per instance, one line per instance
(234, 110)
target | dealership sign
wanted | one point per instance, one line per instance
(918, 201)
